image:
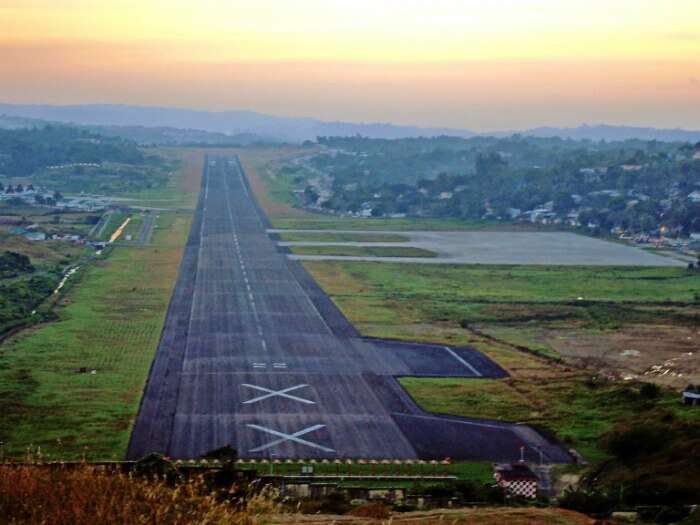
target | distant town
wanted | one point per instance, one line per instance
(645, 192)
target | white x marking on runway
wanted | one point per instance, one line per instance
(272, 393)
(289, 437)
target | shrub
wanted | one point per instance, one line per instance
(649, 391)
(629, 442)
(591, 503)
(86, 495)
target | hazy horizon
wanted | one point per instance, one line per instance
(459, 64)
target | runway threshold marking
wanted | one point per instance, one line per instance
(464, 362)
(295, 437)
(277, 393)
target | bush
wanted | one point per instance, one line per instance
(592, 503)
(665, 514)
(649, 391)
(629, 442)
(86, 495)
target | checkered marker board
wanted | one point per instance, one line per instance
(523, 488)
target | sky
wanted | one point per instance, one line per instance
(476, 64)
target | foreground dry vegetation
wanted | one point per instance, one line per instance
(90, 495)
(87, 495)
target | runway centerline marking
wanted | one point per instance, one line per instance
(465, 363)
(277, 393)
(295, 437)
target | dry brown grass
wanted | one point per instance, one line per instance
(474, 516)
(88, 495)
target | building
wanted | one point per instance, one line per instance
(516, 479)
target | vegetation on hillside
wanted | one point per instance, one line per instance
(69, 159)
(637, 186)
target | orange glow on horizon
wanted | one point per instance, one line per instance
(510, 63)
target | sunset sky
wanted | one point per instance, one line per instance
(469, 63)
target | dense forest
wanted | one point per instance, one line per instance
(632, 185)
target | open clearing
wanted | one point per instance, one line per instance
(109, 321)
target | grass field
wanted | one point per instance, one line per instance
(108, 321)
(467, 305)
(363, 251)
(341, 237)
(44, 255)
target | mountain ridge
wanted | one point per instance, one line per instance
(299, 129)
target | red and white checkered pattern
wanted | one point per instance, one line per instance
(523, 488)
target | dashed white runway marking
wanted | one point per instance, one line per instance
(295, 437)
(277, 393)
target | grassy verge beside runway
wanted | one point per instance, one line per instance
(341, 237)
(71, 388)
(363, 251)
(493, 308)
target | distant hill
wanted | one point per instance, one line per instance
(614, 133)
(227, 122)
(250, 126)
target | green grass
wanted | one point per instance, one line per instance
(341, 237)
(44, 255)
(452, 284)
(480, 472)
(441, 303)
(110, 321)
(578, 412)
(363, 251)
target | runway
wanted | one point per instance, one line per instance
(255, 355)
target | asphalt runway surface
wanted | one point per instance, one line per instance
(255, 355)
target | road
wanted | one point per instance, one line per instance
(255, 355)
